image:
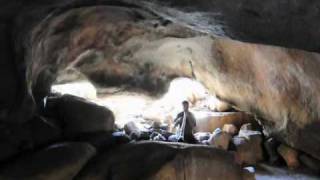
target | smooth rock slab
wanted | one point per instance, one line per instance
(57, 162)
(155, 161)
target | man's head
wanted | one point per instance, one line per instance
(185, 105)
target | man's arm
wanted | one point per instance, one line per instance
(177, 120)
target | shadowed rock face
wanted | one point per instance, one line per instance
(169, 161)
(286, 23)
(121, 46)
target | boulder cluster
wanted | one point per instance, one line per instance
(72, 138)
(235, 132)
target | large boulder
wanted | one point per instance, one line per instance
(279, 85)
(220, 139)
(103, 141)
(80, 116)
(59, 161)
(155, 161)
(133, 161)
(310, 162)
(201, 163)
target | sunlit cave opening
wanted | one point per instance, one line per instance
(140, 107)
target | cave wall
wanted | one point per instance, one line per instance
(122, 46)
(279, 85)
(286, 23)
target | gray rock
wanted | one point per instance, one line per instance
(43, 131)
(80, 116)
(136, 132)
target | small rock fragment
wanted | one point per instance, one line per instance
(290, 155)
(220, 139)
(230, 129)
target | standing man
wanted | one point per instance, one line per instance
(186, 122)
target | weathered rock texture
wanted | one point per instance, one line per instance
(279, 85)
(169, 161)
(133, 47)
(122, 44)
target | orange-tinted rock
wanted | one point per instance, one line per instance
(230, 129)
(212, 121)
(222, 106)
(290, 155)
